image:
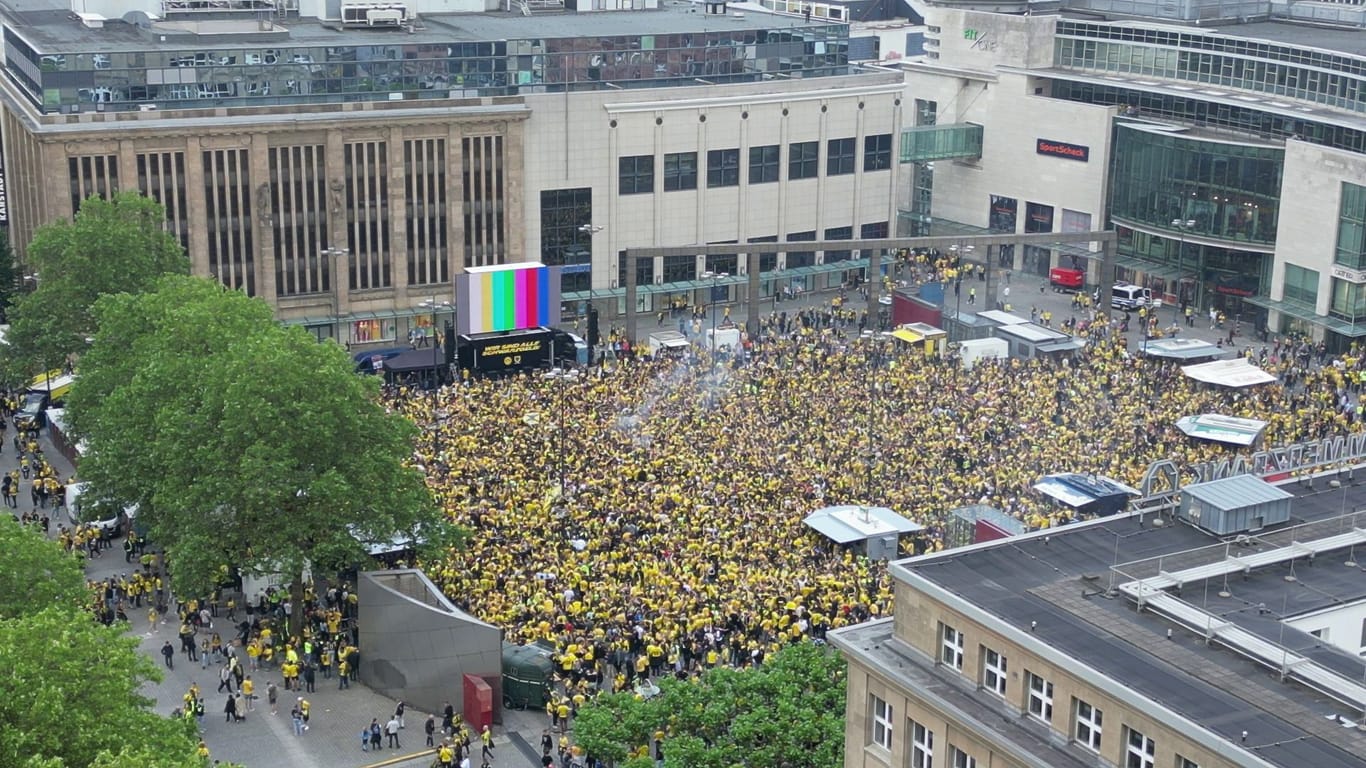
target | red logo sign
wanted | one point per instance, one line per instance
(1062, 149)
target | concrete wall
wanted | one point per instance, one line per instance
(576, 140)
(1342, 626)
(1306, 228)
(415, 645)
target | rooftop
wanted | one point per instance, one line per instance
(1065, 588)
(1324, 37)
(50, 27)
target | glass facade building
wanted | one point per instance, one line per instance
(289, 72)
(1193, 56)
(1230, 190)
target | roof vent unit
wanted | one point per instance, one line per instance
(1234, 506)
(374, 15)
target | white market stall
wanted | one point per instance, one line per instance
(1236, 373)
(1222, 429)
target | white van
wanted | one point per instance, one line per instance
(1127, 296)
(106, 517)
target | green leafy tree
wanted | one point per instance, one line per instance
(35, 573)
(69, 686)
(244, 442)
(112, 246)
(788, 713)
(69, 691)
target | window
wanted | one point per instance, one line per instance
(1301, 285)
(803, 159)
(960, 759)
(763, 164)
(1351, 249)
(1186, 762)
(680, 171)
(801, 258)
(877, 152)
(951, 650)
(1138, 750)
(723, 168)
(678, 268)
(838, 233)
(882, 722)
(1088, 723)
(636, 175)
(1040, 697)
(875, 231)
(922, 746)
(839, 158)
(993, 671)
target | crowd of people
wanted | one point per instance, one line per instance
(677, 543)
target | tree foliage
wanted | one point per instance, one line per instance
(69, 686)
(112, 246)
(35, 573)
(788, 713)
(244, 442)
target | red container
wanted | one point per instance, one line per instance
(1064, 279)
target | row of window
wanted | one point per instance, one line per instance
(1314, 57)
(1335, 89)
(1035, 698)
(921, 751)
(680, 171)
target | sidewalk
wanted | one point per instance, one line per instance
(263, 741)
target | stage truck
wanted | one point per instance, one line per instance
(506, 351)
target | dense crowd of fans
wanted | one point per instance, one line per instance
(678, 542)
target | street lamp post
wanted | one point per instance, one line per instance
(336, 254)
(715, 278)
(435, 306)
(1183, 226)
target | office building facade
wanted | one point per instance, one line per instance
(1228, 157)
(346, 170)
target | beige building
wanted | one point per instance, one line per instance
(1123, 641)
(345, 161)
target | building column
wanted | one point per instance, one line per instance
(455, 200)
(398, 215)
(265, 257)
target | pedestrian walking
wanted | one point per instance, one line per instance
(430, 728)
(230, 710)
(296, 718)
(391, 731)
(168, 653)
(486, 736)
(375, 734)
(398, 714)
(273, 696)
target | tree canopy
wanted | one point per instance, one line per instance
(787, 713)
(69, 686)
(112, 246)
(32, 575)
(244, 442)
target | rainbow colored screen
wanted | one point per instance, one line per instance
(507, 298)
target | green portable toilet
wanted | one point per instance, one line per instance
(528, 671)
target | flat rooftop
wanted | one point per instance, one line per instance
(50, 27)
(1324, 37)
(1059, 585)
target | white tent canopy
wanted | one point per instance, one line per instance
(1238, 372)
(1222, 429)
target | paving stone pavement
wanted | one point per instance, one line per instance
(263, 740)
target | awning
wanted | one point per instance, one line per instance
(415, 360)
(1238, 372)
(1070, 345)
(1182, 349)
(1082, 491)
(1334, 324)
(849, 523)
(1222, 429)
